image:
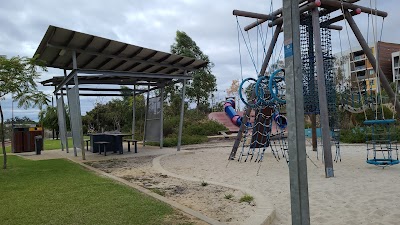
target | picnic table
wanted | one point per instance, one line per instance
(115, 141)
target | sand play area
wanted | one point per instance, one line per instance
(358, 194)
(200, 178)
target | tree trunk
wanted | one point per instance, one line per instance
(3, 145)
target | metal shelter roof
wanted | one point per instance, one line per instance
(106, 61)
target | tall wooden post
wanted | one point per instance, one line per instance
(323, 103)
(295, 112)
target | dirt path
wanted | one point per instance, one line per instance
(220, 203)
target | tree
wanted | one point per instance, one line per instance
(233, 91)
(279, 64)
(48, 118)
(204, 82)
(17, 77)
(115, 114)
(18, 120)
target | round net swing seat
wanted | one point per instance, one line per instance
(377, 122)
(383, 162)
(382, 150)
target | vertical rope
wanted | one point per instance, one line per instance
(245, 42)
(351, 50)
(240, 54)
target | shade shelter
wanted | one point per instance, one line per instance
(93, 61)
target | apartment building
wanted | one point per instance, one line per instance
(358, 70)
(396, 68)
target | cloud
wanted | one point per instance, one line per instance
(153, 24)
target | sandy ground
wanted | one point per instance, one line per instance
(203, 197)
(358, 194)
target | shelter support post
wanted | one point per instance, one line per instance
(146, 115)
(69, 112)
(52, 130)
(248, 109)
(371, 58)
(162, 117)
(79, 117)
(181, 116)
(323, 103)
(66, 128)
(133, 112)
(295, 112)
(57, 107)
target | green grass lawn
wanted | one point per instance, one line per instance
(50, 144)
(61, 192)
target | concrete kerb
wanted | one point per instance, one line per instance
(152, 194)
(265, 212)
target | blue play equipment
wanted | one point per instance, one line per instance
(269, 90)
(275, 88)
(230, 111)
(381, 148)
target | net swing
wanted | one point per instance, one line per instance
(382, 149)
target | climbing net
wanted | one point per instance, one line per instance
(310, 87)
(266, 97)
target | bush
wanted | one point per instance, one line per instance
(205, 127)
(246, 198)
(171, 125)
(228, 196)
(355, 135)
(203, 183)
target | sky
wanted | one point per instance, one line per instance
(153, 24)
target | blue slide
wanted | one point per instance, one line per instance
(230, 111)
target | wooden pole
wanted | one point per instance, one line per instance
(295, 112)
(323, 103)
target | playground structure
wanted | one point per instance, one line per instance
(313, 40)
(229, 108)
(291, 18)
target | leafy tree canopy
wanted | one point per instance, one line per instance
(18, 77)
(204, 82)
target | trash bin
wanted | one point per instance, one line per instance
(38, 144)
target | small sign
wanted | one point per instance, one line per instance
(289, 50)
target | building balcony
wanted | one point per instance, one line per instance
(358, 68)
(361, 77)
(359, 58)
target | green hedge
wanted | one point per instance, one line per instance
(361, 134)
(355, 135)
(195, 130)
(205, 127)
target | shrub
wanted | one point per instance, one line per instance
(228, 196)
(246, 198)
(354, 135)
(205, 127)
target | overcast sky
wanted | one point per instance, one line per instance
(153, 24)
